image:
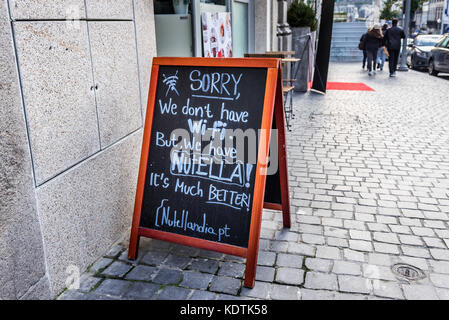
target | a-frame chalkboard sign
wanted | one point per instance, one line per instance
(196, 187)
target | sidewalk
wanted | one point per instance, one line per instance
(369, 183)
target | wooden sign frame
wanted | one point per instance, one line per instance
(273, 104)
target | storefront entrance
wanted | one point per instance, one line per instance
(179, 29)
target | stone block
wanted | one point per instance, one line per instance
(116, 79)
(318, 280)
(88, 208)
(116, 269)
(44, 9)
(290, 276)
(168, 276)
(141, 272)
(196, 280)
(173, 293)
(110, 9)
(22, 264)
(225, 285)
(142, 290)
(57, 79)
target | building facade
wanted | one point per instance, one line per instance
(435, 15)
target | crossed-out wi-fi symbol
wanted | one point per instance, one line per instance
(171, 83)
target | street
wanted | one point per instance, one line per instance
(369, 189)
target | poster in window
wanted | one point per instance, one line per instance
(217, 35)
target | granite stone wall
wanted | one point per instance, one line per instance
(73, 91)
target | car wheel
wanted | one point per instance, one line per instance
(432, 70)
(412, 65)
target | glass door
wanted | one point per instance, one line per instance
(243, 27)
(240, 28)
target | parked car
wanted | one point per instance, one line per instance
(439, 57)
(419, 49)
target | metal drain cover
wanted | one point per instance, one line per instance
(408, 272)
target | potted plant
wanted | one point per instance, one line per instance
(303, 23)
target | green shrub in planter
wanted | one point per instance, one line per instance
(300, 14)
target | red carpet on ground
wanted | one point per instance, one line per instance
(352, 86)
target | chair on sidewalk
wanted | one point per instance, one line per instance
(288, 83)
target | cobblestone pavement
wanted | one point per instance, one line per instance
(369, 179)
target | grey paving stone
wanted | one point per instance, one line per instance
(336, 232)
(231, 269)
(203, 295)
(266, 258)
(420, 263)
(75, 295)
(440, 254)
(168, 276)
(141, 272)
(308, 294)
(117, 269)
(225, 285)
(177, 261)
(353, 255)
(100, 264)
(419, 292)
(204, 265)
(317, 264)
(434, 242)
(328, 252)
(411, 240)
(115, 251)
(302, 249)
(360, 235)
(318, 280)
(312, 238)
(387, 289)
(346, 267)
(440, 280)
(443, 294)
(265, 273)
(283, 292)
(113, 287)
(354, 284)
(361, 245)
(222, 296)
(290, 276)
(439, 266)
(378, 272)
(261, 290)
(387, 237)
(196, 280)
(415, 251)
(142, 290)
(289, 260)
(337, 242)
(154, 258)
(87, 283)
(173, 293)
(386, 248)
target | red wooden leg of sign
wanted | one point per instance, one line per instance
(259, 185)
(282, 152)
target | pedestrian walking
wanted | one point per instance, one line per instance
(373, 41)
(381, 54)
(392, 41)
(362, 47)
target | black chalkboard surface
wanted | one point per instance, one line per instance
(208, 201)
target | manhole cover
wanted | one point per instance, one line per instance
(408, 272)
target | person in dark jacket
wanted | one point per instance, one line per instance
(392, 41)
(373, 41)
(362, 40)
